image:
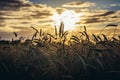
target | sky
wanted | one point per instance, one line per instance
(19, 15)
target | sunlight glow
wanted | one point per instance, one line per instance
(68, 17)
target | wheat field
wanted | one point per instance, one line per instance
(56, 57)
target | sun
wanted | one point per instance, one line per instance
(68, 17)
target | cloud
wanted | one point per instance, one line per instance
(59, 10)
(107, 13)
(13, 4)
(23, 13)
(19, 15)
(99, 17)
(10, 29)
(39, 14)
(97, 13)
(93, 20)
(114, 5)
(79, 4)
(89, 20)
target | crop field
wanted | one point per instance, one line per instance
(56, 56)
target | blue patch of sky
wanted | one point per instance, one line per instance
(100, 4)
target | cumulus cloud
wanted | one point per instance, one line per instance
(79, 4)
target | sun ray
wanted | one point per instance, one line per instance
(68, 17)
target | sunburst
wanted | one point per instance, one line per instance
(68, 17)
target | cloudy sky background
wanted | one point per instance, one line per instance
(19, 15)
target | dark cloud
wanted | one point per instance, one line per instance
(107, 13)
(24, 22)
(91, 20)
(13, 4)
(79, 4)
(98, 17)
(17, 14)
(2, 18)
(14, 1)
(39, 14)
(102, 14)
(114, 17)
(10, 1)
(22, 9)
(2, 25)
